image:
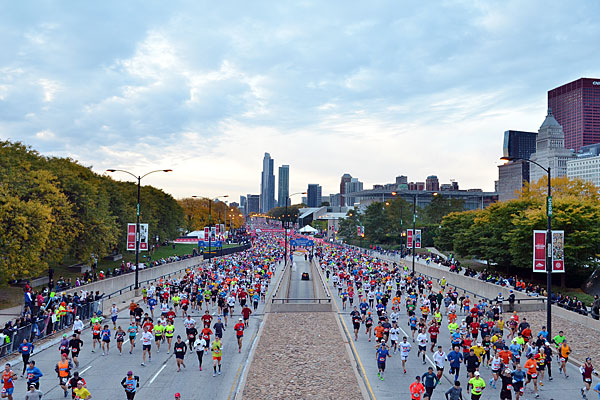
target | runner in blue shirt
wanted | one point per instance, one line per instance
(455, 358)
(597, 390)
(105, 335)
(382, 354)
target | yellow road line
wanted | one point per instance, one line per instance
(355, 351)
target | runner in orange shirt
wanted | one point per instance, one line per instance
(416, 389)
(531, 367)
(379, 329)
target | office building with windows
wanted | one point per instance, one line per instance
(313, 194)
(576, 107)
(267, 185)
(283, 189)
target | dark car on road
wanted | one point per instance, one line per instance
(305, 276)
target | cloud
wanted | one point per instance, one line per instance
(377, 90)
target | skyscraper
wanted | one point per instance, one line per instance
(283, 191)
(267, 185)
(252, 203)
(432, 183)
(513, 174)
(519, 144)
(576, 107)
(353, 186)
(314, 195)
(345, 179)
(550, 150)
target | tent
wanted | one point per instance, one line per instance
(308, 229)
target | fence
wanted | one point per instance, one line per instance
(45, 326)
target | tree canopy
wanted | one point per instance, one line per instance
(52, 209)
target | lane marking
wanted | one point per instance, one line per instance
(351, 341)
(85, 369)
(156, 375)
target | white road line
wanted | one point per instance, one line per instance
(85, 369)
(158, 373)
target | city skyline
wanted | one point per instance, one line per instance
(372, 90)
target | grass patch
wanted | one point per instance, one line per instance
(10, 296)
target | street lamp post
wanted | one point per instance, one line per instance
(137, 223)
(414, 232)
(285, 225)
(548, 241)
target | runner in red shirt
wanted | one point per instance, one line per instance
(246, 314)
(434, 331)
(239, 333)
(206, 318)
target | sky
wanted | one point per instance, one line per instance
(376, 89)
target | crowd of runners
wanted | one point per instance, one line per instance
(487, 346)
(210, 299)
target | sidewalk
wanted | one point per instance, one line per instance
(10, 314)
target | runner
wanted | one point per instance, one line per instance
(8, 378)
(180, 348)
(507, 385)
(455, 358)
(33, 375)
(33, 393)
(239, 333)
(416, 388)
(587, 369)
(132, 330)
(75, 344)
(430, 381)
(219, 328)
(81, 392)
(531, 367)
(63, 371)
(114, 313)
(199, 347)
(120, 337)
(96, 330)
(404, 350)
(26, 350)
(217, 353)
(496, 366)
(169, 332)
(518, 380)
(246, 311)
(73, 383)
(439, 357)
(563, 351)
(422, 343)
(356, 319)
(381, 354)
(159, 331)
(105, 334)
(130, 383)
(455, 392)
(477, 385)
(146, 346)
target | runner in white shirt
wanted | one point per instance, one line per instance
(189, 323)
(146, 345)
(422, 340)
(394, 336)
(452, 308)
(439, 357)
(114, 313)
(394, 317)
(404, 350)
(496, 365)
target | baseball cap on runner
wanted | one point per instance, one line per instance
(477, 373)
(240, 318)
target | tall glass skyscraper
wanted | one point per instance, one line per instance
(283, 191)
(576, 107)
(267, 185)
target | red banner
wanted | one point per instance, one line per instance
(539, 251)
(409, 238)
(130, 236)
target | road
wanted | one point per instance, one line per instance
(396, 384)
(300, 289)
(158, 379)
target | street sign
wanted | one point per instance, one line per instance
(549, 205)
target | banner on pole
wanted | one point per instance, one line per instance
(539, 251)
(409, 238)
(131, 237)
(558, 251)
(131, 234)
(360, 231)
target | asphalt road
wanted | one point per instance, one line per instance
(300, 289)
(396, 384)
(158, 379)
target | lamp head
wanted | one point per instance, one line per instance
(110, 170)
(167, 170)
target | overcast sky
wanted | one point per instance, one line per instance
(376, 89)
